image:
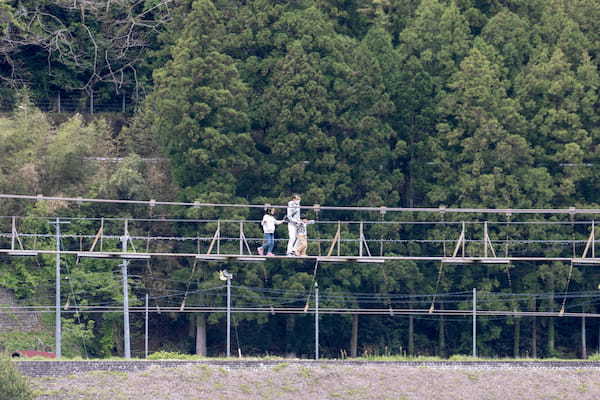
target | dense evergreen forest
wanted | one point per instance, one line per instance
(417, 103)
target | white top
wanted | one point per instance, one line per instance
(268, 223)
(293, 211)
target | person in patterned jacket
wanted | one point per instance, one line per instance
(302, 237)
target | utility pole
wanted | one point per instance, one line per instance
(228, 315)
(57, 324)
(316, 321)
(146, 330)
(226, 276)
(126, 337)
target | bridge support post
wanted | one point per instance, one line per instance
(474, 322)
(146, 330)
(316, 321)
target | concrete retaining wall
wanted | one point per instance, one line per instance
(62, 368)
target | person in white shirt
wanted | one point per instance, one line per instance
(293, 218)
(268, 224)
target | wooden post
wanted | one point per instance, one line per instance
(354, 339)
(517, 338)
(339, 238)
(92, 101)
(411, 335)
(200, 334)
(360, 240)
(583, 339)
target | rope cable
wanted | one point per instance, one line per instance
(80, 200)
(508, 217)
(440, 270)
(188, 285)
(562, 307)
(77, 314)
(314, 277)
(437, 285)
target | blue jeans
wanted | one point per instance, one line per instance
(269, 243)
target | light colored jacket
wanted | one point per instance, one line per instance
(293, 211)
(268, 223)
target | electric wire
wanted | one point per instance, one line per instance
(153, 203)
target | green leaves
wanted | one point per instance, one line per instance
(198, 109)
(554, 99)
(395, 102)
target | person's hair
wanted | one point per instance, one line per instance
(296, 196)
(271, 211)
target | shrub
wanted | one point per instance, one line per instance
(13, 385)
(594, 357)
(167, 355)
(13, 341)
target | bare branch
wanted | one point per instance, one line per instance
(123, 39)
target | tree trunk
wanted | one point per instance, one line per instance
(551, 332)
(411, 336)
(517, 338)
(583, 339)
(534, 332)
(289, 336)
(200, 334)
(354, 339)
(442, 335)
(118, 341)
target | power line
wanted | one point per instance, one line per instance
(456, 297)
(301, 310)
(382, 209)
(257, 221)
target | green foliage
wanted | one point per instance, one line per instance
(13, 385)
(166, 355)
(383, 102)
(13, 341)
(200, 99)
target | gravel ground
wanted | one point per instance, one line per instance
(287, 381)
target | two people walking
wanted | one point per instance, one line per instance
(297, 236)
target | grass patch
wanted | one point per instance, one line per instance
(473, 377)
(13, 385)
(280, 367)
(168, 355)
(245, 388)
(108, 373)
(467, 358)
(289, 389)
(305, 372)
